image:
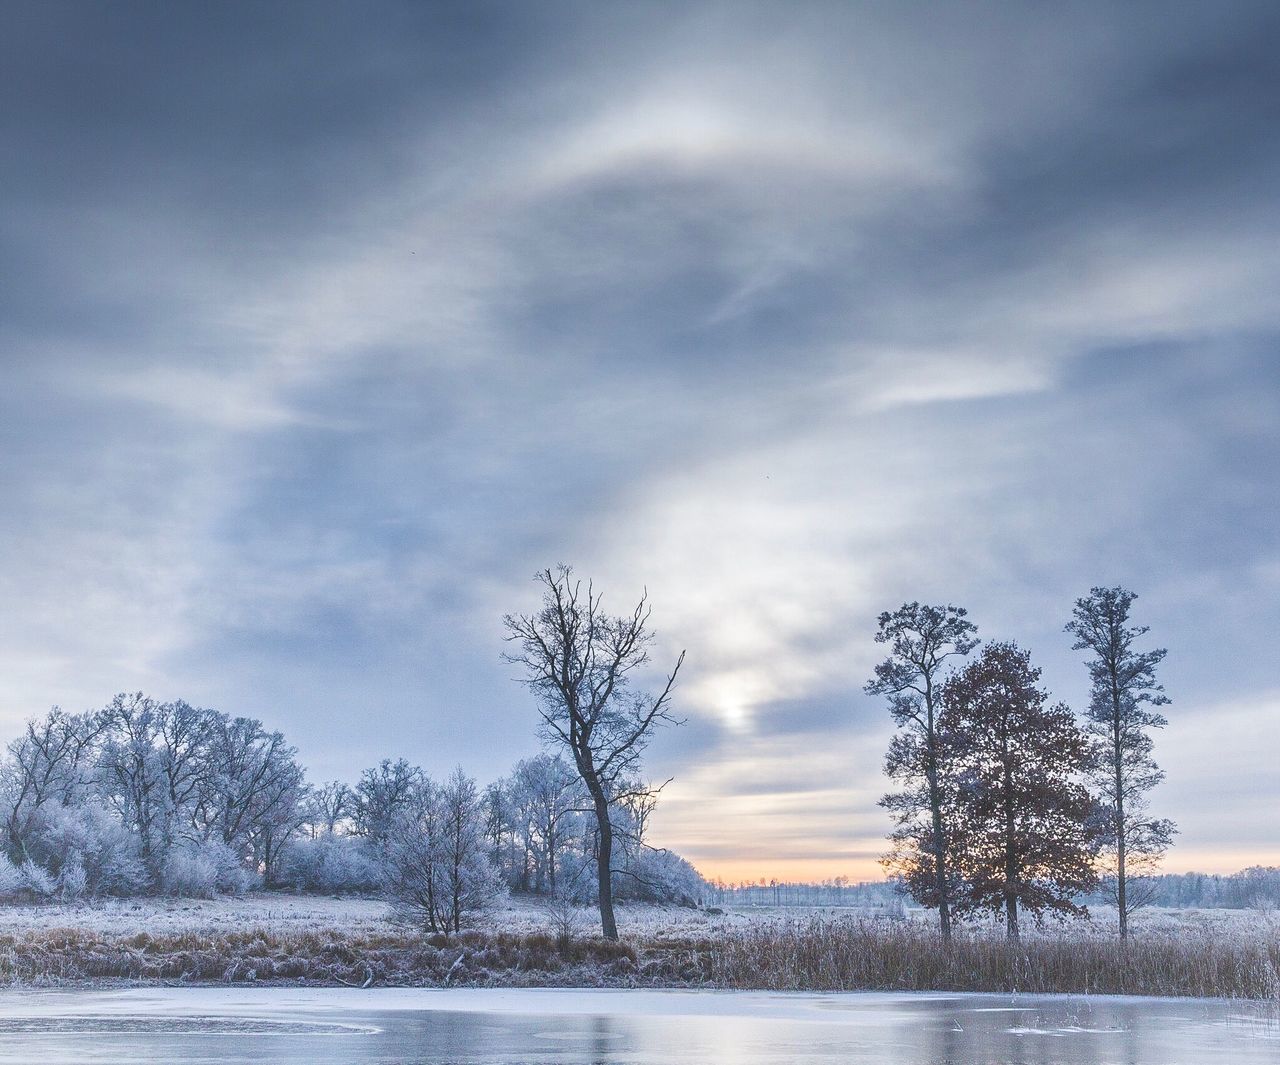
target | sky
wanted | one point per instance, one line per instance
(324, 326)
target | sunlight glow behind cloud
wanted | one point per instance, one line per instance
(785, 314)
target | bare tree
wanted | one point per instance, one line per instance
(579, 662)
(922, 638)
(1121, 717)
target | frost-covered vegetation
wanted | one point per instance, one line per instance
(149, 798)
(269, 938)
(1256, 888)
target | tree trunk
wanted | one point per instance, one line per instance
(1012, 875)
(1117, 755)
(940, 861)
(935, 810)
(604, 861)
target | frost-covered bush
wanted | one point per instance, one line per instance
(72, 880)
(438, 872)
(37, 880)
(90, 838)
(661, 876)
(232, 876)
(333, 864)
(203, 870)
(189, 871)
(11, 879)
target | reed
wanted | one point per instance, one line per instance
(832, 954)
(818, 953)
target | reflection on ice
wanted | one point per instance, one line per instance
(530, 1027)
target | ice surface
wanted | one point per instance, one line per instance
(322, 1026)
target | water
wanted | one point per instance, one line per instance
(480, 1027)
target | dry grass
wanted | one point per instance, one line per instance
(72, 956)
(818, 953)
(824, 954)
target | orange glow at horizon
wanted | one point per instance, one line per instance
(751, 870)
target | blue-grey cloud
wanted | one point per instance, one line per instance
(324, 327)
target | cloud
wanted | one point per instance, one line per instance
(786, 315)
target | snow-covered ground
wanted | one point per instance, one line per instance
(283, 913)
(227, 914)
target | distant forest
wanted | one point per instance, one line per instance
(1255, 888)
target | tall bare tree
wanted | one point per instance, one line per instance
(580, 662)
(921, 639)
(1121, 716)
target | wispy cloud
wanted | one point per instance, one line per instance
(785, 315)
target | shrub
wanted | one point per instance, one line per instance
(88, 837)
(330, 863)
(202, 870)
(72, 880)
(37, 880)
(12, 881)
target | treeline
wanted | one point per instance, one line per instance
(1257, 887)
(148, 797)
(883, 896)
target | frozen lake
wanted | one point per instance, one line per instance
(274, 1026)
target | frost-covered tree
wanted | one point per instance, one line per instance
(185, 738)
(381, 795)
(1122, 715)
(133, 778)
(549, 795)
(501, 830)
(251, 799)
(471, 882)
(581, 664)
(437, 868)
(53, 762)
(329, 806)
(921, 639)
(1018, 810)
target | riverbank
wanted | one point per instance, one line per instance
(814, 952)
